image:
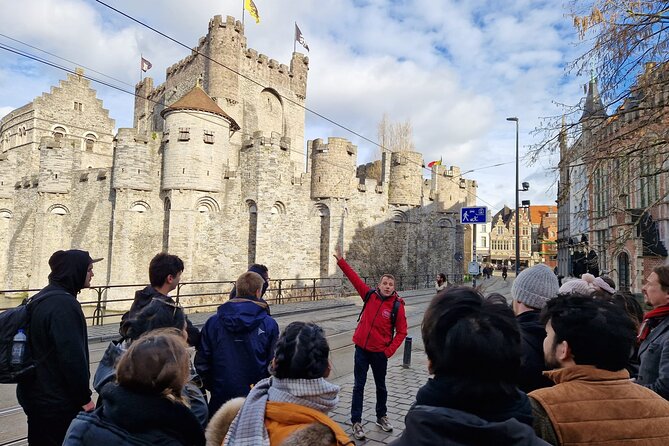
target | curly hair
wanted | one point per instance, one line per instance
(301, 352)
(157, 314)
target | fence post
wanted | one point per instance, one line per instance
(279, 296)
(178, 291)
(97, 314)
(406, 361)
(313, 289)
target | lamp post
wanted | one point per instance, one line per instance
(517, 266)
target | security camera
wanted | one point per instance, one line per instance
(526, 185)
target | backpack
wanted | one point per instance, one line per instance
(393, 312)
(10, 322)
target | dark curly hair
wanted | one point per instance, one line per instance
(157, 314)
(301, 352)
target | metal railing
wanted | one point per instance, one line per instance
(111, 301)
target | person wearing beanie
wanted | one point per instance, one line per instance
(530, 291)
(60, 387)
(577, 286)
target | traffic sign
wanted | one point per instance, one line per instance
(474, 268)
(474, 215)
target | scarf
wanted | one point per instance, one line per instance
(248, 427)
(650, 321)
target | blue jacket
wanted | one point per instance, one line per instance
(236, 348)
(654, 358)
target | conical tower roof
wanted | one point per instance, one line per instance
(197, 99)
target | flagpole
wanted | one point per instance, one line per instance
(141, 59)
(243, 12)
(295, 38)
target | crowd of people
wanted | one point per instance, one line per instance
(573, 364)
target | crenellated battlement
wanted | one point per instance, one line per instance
(260, 138)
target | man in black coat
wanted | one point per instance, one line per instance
(530, 292)
(164, 275)
(58, 339)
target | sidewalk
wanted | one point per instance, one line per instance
(402, 385)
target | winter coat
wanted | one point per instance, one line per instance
(595, 406)
(58, 334)
(144, 296)
(236, 348)
(106, 373)
(287, 424)
(452, 411)
(654, 360)
(374, 331)
(129, 418)
(532, 335)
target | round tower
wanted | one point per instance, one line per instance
(406, 179)
(332, 168)
(196, 139)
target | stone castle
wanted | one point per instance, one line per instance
(215, 171)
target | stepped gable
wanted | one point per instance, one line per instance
(197, 99)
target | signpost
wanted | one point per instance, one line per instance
(474, 216)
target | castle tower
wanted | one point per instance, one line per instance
(406, 178)
(226, 42)
(333, 168)
(196, 138)
(133, 161)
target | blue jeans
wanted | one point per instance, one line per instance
(362, 361)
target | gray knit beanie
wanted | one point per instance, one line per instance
(535, 286)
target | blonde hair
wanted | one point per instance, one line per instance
(156, 363)
(248, 284)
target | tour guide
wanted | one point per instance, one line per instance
(374, 342)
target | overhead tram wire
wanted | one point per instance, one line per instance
(107, 84)
(192, 50)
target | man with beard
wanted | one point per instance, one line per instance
(588, 344)
(654, 334)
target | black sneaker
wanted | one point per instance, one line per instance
(384, 424)
(358, 431)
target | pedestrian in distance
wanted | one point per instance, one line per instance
(375, 342)
(237, 343)
(654, 334)
(505, 272)
(145, 405)
(441, 283)
(593, 401)
(289, 408)
(59, 388)
(473, 351)
(156, 315)
(165, 272)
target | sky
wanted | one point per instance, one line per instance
(455, 69)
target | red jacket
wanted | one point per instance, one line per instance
(374, 330)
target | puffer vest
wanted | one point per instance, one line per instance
(590, 405)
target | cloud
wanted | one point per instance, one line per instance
(455, 69)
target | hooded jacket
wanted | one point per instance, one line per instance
(130, 418)
(144, 297)
(59, 336)
(236, 347)
(374, 332)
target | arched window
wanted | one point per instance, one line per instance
(89, 140)
(253, 230)
(59, 133)
(58, 209)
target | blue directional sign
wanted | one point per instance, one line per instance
(474, 215)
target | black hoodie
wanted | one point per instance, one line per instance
(58, 338)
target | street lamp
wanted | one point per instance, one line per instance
(515, 119)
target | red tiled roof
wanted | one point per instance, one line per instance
(197, 99)
(536, 212)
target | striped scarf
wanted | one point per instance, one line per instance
(248, 427)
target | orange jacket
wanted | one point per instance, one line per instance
(373, 333)
(282, 419)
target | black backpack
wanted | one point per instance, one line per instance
(10, 322)
(393, 313)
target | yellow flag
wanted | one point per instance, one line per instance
(252, 9)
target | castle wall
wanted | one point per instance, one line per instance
(406, 178)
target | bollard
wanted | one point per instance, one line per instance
(406, 361)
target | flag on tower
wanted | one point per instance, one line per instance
(434, 163)
(300, 38)
(252, 9)
(146, 65)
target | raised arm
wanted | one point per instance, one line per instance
(360, 286)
